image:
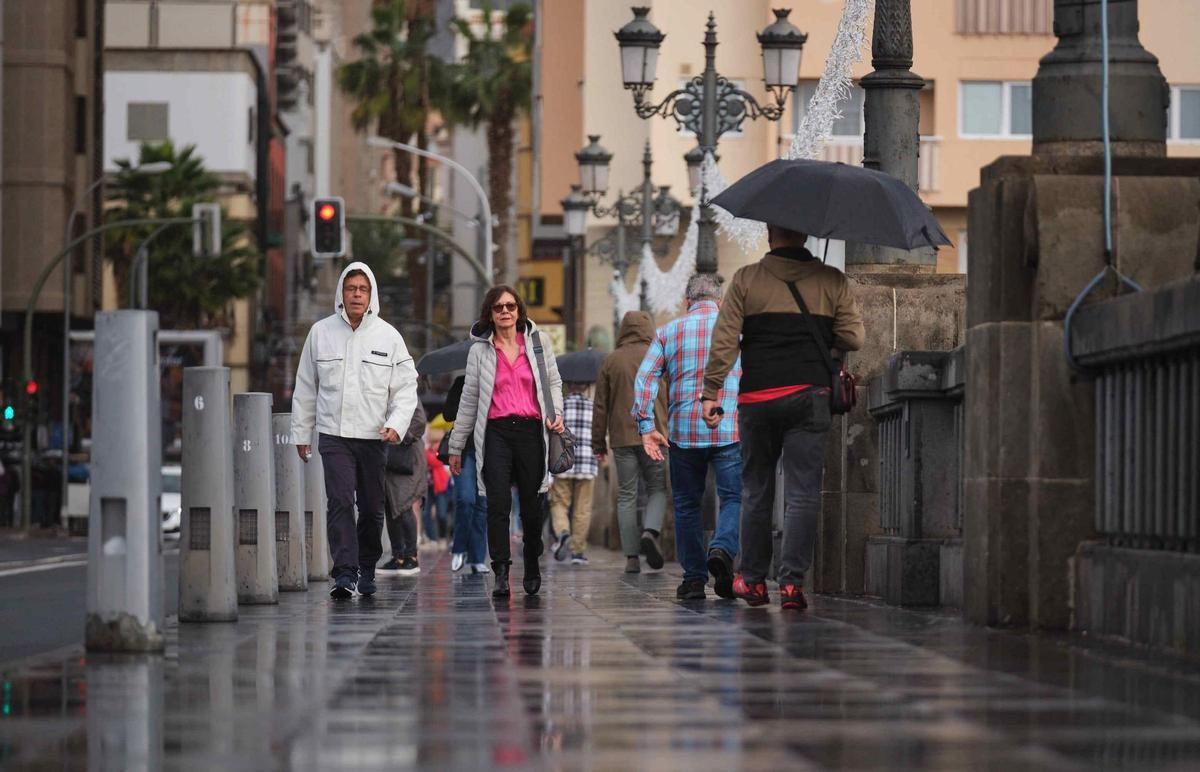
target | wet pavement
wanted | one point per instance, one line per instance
(601, 671)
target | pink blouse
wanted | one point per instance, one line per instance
(513, 393)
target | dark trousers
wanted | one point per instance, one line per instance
(402, 533)
(354, 473)
(513, 455)
(794, 426)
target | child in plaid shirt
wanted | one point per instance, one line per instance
(572, 490)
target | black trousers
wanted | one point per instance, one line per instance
(402, 533)
(354, 474)
(513, 454)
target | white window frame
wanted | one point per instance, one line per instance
(1005, 109)
(1175, 115)
(962, 251)
(794, 115)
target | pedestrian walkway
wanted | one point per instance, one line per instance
(602, 671)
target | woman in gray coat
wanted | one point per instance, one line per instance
(503, 408)
(405, 488)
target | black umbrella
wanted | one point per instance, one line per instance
(446, 359)
(834, 201)
(580, 366)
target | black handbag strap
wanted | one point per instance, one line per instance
(812, 330)
(545, 376)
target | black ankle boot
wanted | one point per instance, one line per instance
(533, 577)
(500, 570)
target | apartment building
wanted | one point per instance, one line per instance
(977, 57)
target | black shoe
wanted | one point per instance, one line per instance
(532, 581)
(366, 581)
(393, 566)
(561, 544)
(691, 589)
(500, 588)
(409, 567)
(720, 565)
(652, 550)
(343, 587)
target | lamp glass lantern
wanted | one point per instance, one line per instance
(639, 41)
(594, 163)
(667, 208)
(575, 208)
(694, 159)
(782, 44)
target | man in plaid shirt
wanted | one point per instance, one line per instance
(679, 352)
(573, 488)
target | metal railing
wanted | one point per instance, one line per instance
(849, 151)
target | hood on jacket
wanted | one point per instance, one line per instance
(477, 335)
(636, 327)
(373, 306)
(797, 266)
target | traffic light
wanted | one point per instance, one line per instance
(328, 227)
(9, 413)
(31, 388)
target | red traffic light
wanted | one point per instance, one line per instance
(327, 212)
(31, 387)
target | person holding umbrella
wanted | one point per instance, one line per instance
(787, 316)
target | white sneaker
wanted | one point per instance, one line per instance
(480, 568)
(457, 560)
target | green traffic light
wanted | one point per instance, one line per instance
(9, 413)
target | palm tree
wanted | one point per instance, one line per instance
(188, 292)
(492, 85)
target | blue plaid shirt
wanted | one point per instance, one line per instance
(680, 350)
(577, 417)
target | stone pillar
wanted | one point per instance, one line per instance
(1037, 239)
(905, 307)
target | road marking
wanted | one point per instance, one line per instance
(67, 563)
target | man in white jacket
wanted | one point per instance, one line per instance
(357, 386)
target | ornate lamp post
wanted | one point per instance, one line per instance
(709, 105)
(655, 214)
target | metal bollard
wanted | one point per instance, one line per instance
(289, 507)
(125, 563)
(207, 584)
(254, 499)
(316, 537)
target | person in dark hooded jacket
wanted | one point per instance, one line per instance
(611, 418)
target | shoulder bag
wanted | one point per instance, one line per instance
(842, 392)
(561, 455)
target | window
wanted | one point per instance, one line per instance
(962, 251)
(81, 18)
(81, 124)
(146, 122)
(995, 109)
(851, 122)
(1185, 113)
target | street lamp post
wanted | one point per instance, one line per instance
(710, 105)
(655, 214)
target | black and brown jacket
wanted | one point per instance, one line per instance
(760, 320)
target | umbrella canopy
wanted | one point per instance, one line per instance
(834, 201)
(446, 359)
(580, 366)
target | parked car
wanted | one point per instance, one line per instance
(172, 504)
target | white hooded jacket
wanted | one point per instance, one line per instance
(353, 383)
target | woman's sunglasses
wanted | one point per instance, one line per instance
(502, 307)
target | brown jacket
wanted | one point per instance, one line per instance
(614, 387)
(761, 321)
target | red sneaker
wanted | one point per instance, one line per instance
(792, 596)
(755, 594)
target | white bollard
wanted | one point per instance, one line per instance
(317, 537)
(125, 563)
(289, 507)
(254, 499)
(207, 584)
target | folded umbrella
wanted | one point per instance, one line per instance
(446, 359)
(580, 366)
(834, 201)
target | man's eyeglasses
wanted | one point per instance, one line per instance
(502, 307)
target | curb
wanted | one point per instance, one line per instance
(74, 557)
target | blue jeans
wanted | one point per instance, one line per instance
(436, 529)
(470, 514)
(689, 467)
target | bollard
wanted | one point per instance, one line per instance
(254, 499)
(125, 563)
(207, 583)
(316, 537)
(289, 507)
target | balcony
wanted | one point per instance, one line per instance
(850, 151)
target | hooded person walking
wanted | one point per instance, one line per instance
(504, 410)
(357, 387)
(610, 416)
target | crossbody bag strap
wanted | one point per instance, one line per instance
(545, 376)
(812, 329)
